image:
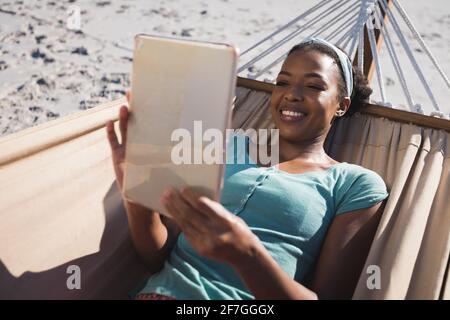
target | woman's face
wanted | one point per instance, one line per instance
(305, 97)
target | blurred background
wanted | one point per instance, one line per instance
(60, 57)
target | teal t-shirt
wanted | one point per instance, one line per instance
(290, 214)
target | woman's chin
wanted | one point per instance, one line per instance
(291, 135)
(291, 131)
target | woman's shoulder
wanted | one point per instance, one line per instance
(358, 188)
(353, 175)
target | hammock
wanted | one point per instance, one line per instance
(59, 205)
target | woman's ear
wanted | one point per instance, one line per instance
(342, 108)
(344, 105)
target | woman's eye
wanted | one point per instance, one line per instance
(281, 83)
(316, 88)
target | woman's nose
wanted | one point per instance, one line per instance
(295, 93)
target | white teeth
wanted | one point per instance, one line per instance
(292, 113)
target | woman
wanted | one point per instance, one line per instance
(299, 230)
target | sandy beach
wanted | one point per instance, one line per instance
(48, 71)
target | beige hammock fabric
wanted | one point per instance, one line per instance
(59, 205)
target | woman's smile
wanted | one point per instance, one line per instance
(291, 113)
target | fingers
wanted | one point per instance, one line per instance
(167, 203)
(123, 123)
(192, 198)
(128, 95)
(173, 213)
(179, 204)
(190, 195)
(212, 211)
(180, 210)
(112, 137)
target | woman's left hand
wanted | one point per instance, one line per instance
(211, 229)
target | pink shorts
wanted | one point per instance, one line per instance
(152, 296)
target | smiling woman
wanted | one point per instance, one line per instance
(312, 90)
(317, 84)
(301, 230)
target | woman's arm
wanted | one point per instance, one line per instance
(217, 234)
(153, 235)
(344, 252)
(260, 272)
(339, 266)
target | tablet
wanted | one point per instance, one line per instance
(180, 90)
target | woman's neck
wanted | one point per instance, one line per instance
(310, 151)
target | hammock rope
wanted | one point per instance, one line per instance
(352, 24)
(361, 49)
(373, 48)
(287, 25)
(333, 21)
(395, 62)
(344, 25)
(354, 36)
(411, 57)
(325, 26)
(290, 36)
(419, 38)
(347, 36)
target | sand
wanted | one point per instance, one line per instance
(48, 71)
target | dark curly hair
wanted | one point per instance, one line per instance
(361, 89)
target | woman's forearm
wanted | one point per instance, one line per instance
(151, 238)
(266, 280)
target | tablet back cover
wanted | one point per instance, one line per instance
(176, 84)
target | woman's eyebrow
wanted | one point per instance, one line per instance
(285, 72)
(314, 75)
(309, 74)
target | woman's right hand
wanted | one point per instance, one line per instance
(118, 149)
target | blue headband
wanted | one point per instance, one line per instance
(343, 59)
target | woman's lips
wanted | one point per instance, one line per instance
(291, 116)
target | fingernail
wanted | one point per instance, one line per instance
(166, 193)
